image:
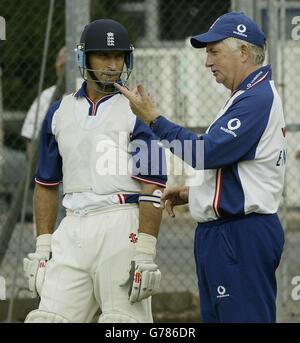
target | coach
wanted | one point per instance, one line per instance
(239, 238)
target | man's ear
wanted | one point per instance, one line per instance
(245, 53)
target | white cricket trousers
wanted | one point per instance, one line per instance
(91, 254)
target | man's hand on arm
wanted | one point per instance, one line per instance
(144, 276)
(174, 197)
(46, 204)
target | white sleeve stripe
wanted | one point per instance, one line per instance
(149, 199)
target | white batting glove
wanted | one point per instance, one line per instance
(35, 264)
(144, 275)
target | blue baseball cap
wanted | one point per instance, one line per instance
(232, 24)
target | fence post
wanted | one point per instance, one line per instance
(77, 16)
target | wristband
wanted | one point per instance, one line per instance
(43, 242)
(146, 244)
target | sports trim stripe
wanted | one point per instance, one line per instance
(216, 183)
(256, 82)
(95, 105)
(120, 199)
(147, 181)
(217, 196)
(220, 190)
(149, 198)
(155, 202)
(46, 183)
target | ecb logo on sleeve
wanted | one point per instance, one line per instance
(2, 288)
